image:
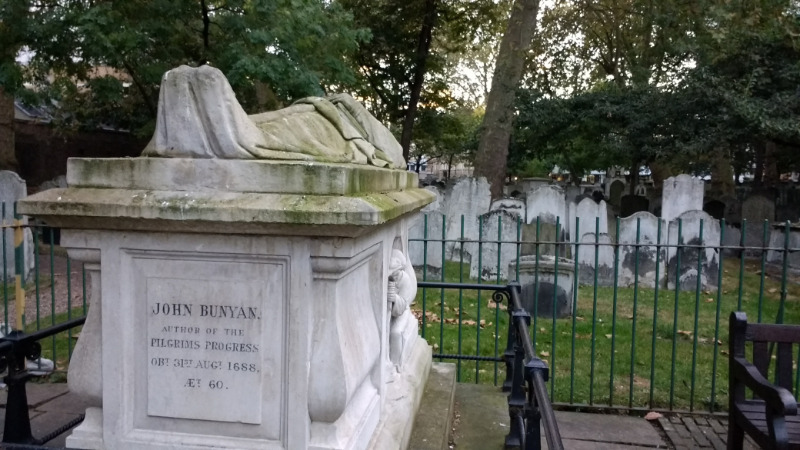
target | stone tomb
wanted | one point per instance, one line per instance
(548, 285)
(240, 304)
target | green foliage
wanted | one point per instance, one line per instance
(709, 78)
(448, 136)
(273, 52)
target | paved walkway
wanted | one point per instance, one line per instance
(481, 423)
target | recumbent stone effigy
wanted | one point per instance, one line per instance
(250, 278)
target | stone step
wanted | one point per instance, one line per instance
(434, 420)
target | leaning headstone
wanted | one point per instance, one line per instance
(759, 211)
(547, 285)
(642, 231)
(425, 238)
(12, 188)
(596, 259)
(497, 248)
(632, 204)
(681, 193)
(685, 230)
(468, 198)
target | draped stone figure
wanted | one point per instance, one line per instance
(199, 117)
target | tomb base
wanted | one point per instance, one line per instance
(244, 303)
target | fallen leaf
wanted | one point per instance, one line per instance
(723, 352)
(652, 415)
(609, 336)
(469, 322)
(709, 300)
(544, 353)
(542, 330)
(772, 290)
(579, 318)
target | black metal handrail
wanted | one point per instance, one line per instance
(15, 348)
(528, 402)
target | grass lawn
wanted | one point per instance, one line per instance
(664, 354)
(59, 347)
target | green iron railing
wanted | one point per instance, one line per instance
(627, 346)
(49, 293)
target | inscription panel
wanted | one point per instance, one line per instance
(213, 339)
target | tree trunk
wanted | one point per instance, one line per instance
(8, 156)
(758, 176)
(423, 50)
(772, 175)
(492, 154)
(722, 175)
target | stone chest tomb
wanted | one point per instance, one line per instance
(244, 301)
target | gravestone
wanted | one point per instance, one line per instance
(499, 234)
(681, 193)
(592, 217)
(596, 259)
(615, 192)
(427, 257)
(715, 209)
(632, 204)
(685, 273)
(247, 303)
(732, 238)
(546, 205)
(778, 240)
(468, 198)
(759, 211)
(510, 205)
(643, 229)
(12, 188)
(547, 285)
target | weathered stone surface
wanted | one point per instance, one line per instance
(117, 197)
(467, 198)
(211, 290)
(499, 233)
(650, 234)
(510, 205)
(199, 117)
(681, 193)
(759, 211)
(778, 240)
(548, 204)
(547, 285)
(428, 254)
(705, 258)
(591, 215)
(12, 189)
(596, 254)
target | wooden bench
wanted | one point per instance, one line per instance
(770, 417)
